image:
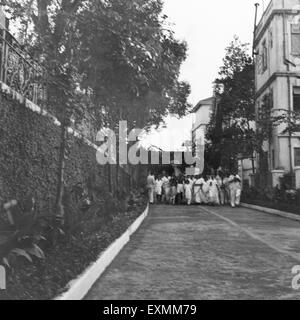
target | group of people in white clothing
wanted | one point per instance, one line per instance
(212, 190)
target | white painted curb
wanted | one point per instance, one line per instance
(79, 287)
(284, 214)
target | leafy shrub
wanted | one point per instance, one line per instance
(274, 195)
(24, 236)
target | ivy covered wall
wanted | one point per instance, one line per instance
(29, 145)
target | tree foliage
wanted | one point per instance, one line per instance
(231, 130)
(121, 53)
(236, 128)
(131, 62)
(106, 60)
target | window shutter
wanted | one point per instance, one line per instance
(297, 157)
(295, 39)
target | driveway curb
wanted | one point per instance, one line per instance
(272, 211)
(79, 287)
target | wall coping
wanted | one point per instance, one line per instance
(37, 109)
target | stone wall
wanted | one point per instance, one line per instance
(29, 147)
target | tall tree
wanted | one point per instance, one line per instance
(114, 59)
(231, 131)
(236, 128)
(131, 61)
(48, 29)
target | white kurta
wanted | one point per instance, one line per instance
(166, 187)
(151, 186)
(235, 192)
(158, 187)
(199, 193)
(213, 192)
(188, 193)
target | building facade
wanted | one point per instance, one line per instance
(277, 74)
(202, 114)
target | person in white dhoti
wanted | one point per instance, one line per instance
(151, 187)
(165, 189)
(205, 189)
(173, 190)
(158, 188)
(194, 179)
(235, 188)
(213, 192)
(188, 192)
(196, 190)
(199, 193)
(230, 187)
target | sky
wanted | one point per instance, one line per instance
(208, 27)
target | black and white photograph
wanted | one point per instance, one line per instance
(149, 151)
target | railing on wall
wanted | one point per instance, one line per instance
(19, 70)
(24, 75)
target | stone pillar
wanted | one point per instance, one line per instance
(276, 175)
(297, 177)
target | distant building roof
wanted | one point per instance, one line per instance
(205, 102)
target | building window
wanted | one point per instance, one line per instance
(295, 39)
(297, 157)
(264, 56)
(258, 62)
(296, 99)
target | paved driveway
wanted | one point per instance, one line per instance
(205, 253)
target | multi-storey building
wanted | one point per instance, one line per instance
(202, 113)
(277, 73)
